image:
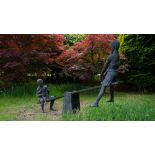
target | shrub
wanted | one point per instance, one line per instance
(139, 49)
(71, 39)
(85, 59)
(24, 55)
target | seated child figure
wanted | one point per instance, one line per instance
(43, 95)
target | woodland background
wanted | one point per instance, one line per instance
(75, 58)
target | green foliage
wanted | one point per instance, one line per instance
(71, 39)
(1, 83)
(139, 50)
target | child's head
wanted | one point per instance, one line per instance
(40, 82)
(115, 45)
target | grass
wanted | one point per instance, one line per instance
(20, 104)
(127, 107)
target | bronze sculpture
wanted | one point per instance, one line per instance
(109, 73)
(43, 95)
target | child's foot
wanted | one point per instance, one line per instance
(110, 100)
(52, 109)
(94, 105)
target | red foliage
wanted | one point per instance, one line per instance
(21, 54)
(13, 67)
(86, 58)
(27, 54)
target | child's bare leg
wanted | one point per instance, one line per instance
(111, 99)
(101, 93)
(51, 105)
(42, 107)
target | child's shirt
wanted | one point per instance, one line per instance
(42, 92)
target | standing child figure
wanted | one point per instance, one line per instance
(109, 73)
(43, 95)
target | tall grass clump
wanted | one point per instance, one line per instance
(29, 89)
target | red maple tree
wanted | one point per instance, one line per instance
(85, 58)
(23, 54)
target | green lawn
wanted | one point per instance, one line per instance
(20, 104)
(127, 107)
